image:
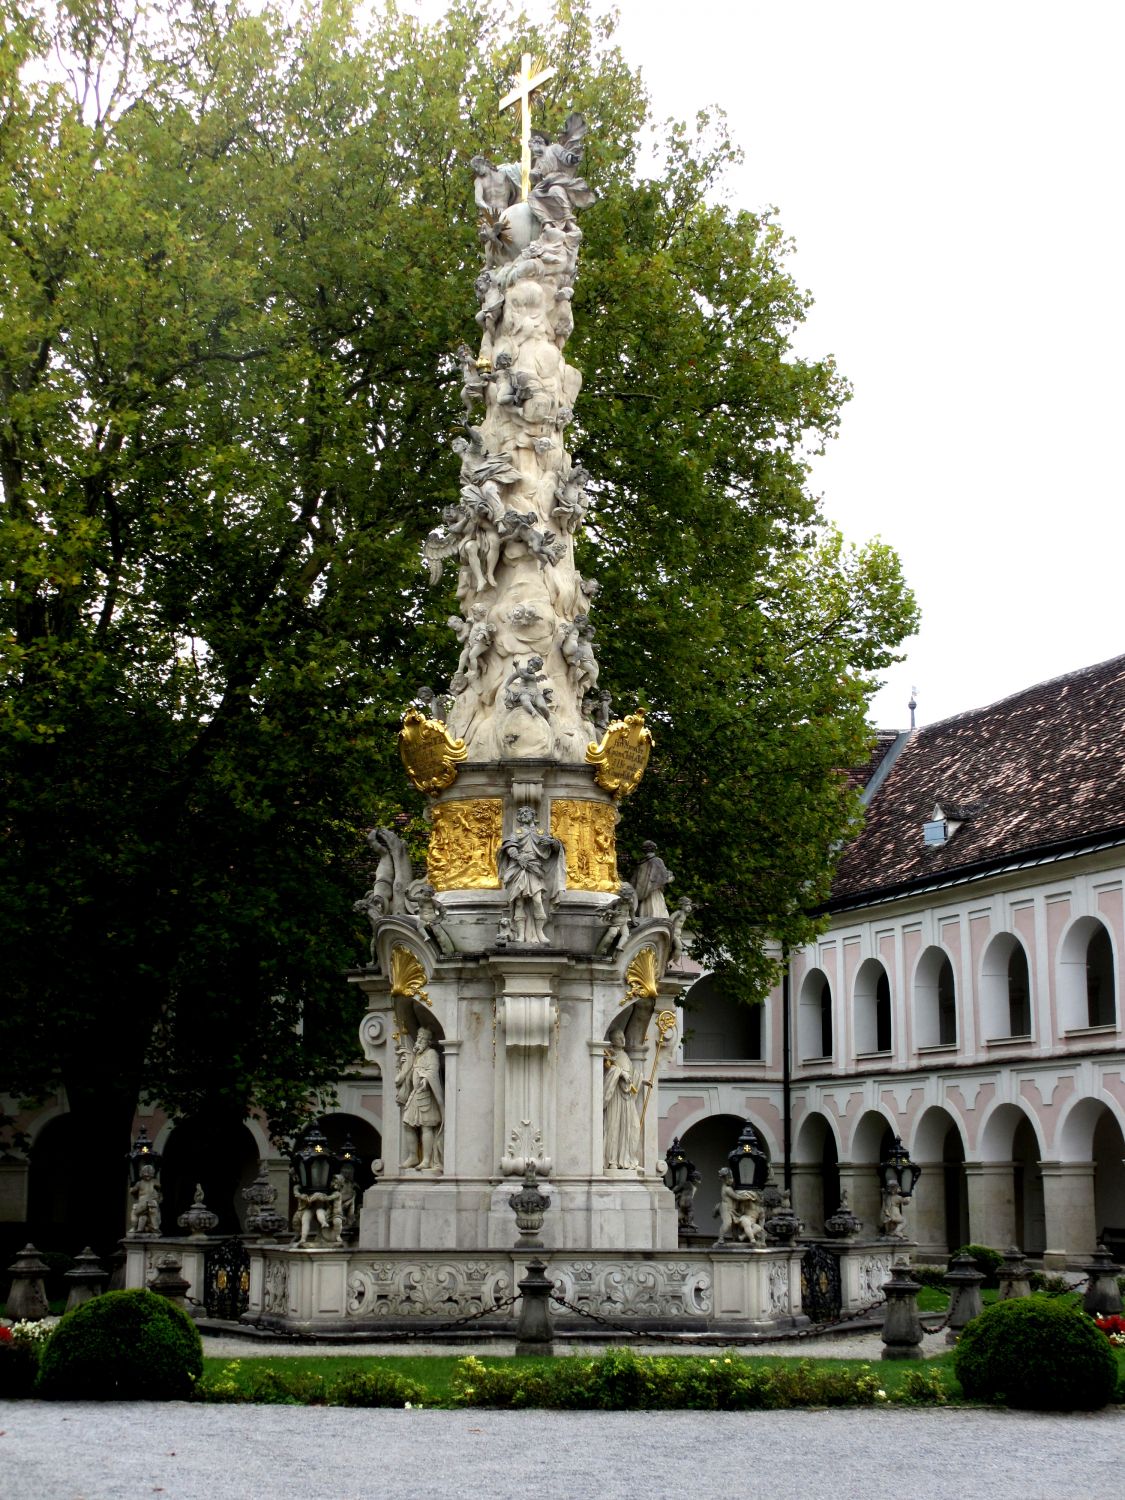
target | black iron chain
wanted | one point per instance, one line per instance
(793, 1335)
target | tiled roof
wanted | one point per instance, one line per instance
(861, 775)
(1041, 768)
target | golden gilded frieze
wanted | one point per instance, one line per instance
(588, 834)
(429, 752)
(621, 755)
(464, 843)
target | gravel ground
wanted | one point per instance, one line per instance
(124, 1451)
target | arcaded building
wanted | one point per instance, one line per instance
(964, 995)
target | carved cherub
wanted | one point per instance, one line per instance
(472, 378)
(570, 499)
(618, 917)
(522, 689)
(678, 918)
(576, 645)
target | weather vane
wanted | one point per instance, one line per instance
(532, 75)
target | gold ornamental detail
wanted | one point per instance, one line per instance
(588, 834)
(464, 844)
(429, 753)
(641, 977)
(408, 976)
(622, 754)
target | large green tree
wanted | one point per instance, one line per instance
(237, 248)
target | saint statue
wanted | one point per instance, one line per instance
(649, 881)
(533, 873)
(622, 1123)
(418, 1088)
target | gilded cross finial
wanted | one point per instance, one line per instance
(532, 75)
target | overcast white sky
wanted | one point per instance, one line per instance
(952, 175)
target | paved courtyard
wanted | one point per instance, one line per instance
(125, 1451)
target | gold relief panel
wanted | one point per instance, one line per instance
(588, 834)
(464, 844)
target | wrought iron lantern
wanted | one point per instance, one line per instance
(678, 1167)
(143, 1151)
(314, 1164)
(347, 1159)
(896, 1172)
(749, 1164)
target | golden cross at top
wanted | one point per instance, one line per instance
(531, 76)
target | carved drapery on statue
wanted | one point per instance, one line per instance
(621, 1122)
(532, 868)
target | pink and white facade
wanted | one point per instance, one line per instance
(964, 996)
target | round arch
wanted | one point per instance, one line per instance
(816, 1171)
(717, 1028)
(815, 1031)
(1005, 989)
(940, 1216)
(221, 1158)
(1087, 976)
(871, 1001)
(708, 1143)
(934, 991)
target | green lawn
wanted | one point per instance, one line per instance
(313, 1376)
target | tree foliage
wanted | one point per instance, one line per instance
(237, 248)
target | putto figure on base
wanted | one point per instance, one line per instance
(741, 1213)
(144, 1216)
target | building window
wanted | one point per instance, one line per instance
(946, 1006)
(874, 1027)
(814, 1017)
(826, 1019)
(1019, 994)
(883, 1014)
(1101, 994)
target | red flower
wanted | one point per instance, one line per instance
(1111, 1323)
(5, 1335)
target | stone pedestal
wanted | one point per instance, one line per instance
(365, 1293)
(522, 1032)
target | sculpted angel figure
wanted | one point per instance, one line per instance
(891, 1215)
(570, 500)
(532, 868)
(679, 917)
(622, 1124)
(618, 917)
(472, 378)
(478, 466)
(522, 689)
(476, 637)
(576, 645)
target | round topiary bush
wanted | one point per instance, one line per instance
(1036, 1353)
(122, 1346)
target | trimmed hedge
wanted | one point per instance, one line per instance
(1038, 1354)
(122, 1346)
(19, 1366)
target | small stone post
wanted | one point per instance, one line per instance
(86, 1280)
(902, 1327)
(27, 1297)
(533, 1330)
(964, 1283)
(1014, 1276)
(1103, 1296)
(167, 1281)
